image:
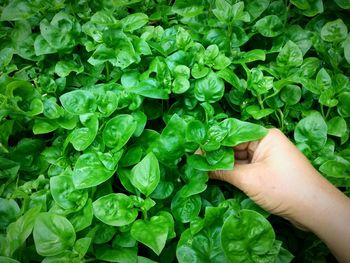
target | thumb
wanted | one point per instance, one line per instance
(242, 176)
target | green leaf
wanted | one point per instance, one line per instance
(53, 234)
(343, 4)
(290, 55)
(82, 245)
(239, 132)
(309, 7)
(199, 71)
(269, 26)
(150, 88)
(204, 163)
(180, 85)
(210, 88)
(290, 94)
(44, 126)
(256, 7)
(118, 131)
(64, 68)
(258, 113)
(170, 146)
(5, 57)
(119, 254)
(334, 31)
(61, 33)
(246, 235)
(196, 132)
(19, 231)
(203, 244)
(78, 102)
(183, 8)
(344, 104)
(115, 209)
(311, 130)
(134, 21)
(152, 233)
(89, 171)
(347, 49)
(337, 126)
(335, 169)
(16, 10)
(82, 218)
(185, 209)
(8, 212)
(64, 193)
(145, 175)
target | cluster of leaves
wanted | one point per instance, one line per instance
(104, 103)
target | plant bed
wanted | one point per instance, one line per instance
(103, 105)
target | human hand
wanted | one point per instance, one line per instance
(278, 177)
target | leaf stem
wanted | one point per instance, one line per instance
(107, 72)
(282, 118)
(145, 215)
(328, 112)
(322, 111)
(261, 102)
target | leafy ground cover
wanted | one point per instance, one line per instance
(103, 104)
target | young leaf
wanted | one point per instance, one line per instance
(145, 175)
(118, 131)
(52, 234)
(115, 209)
(152, 233)
(239, 132)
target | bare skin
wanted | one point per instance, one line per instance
(278, 177)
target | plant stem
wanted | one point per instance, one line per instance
(322, 111)
(282, 119)
(107, 72)
(328, 112)
(144, 213)
(261, 102)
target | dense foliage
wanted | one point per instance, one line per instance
(104, 103)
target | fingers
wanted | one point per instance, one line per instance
(246, 151)
(241, 176)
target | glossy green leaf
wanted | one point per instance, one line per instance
(240, 132)
(291, 94)
(334, 31)
(184, 209)
(344, 104)
(152, 233)
(134, 21)
(78, 102)
(119, 254)
(269, 26)
(52, 234)
(64, 68)
(311, 130)
(290, 55)
(90, 171)
(196, 132)
(65, 194)
(337, 126)
(210, 88)
(8, 212)
(145, 175)
(118, 131)
(19, 231)
(246, 235)
(115, 209)
(16, 10)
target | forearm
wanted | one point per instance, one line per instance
(328, 216)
